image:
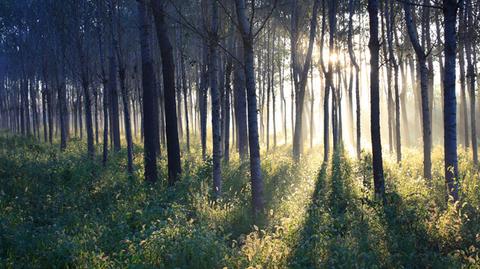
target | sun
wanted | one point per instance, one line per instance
(333, 57)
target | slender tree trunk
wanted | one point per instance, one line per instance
(126, 111)
(426, 126)
(255, 165)
(148, 81)
(471, 58)
(312, 103)
(88, 114)
(185, 92)
(357, 77)
(95, 113)
(62, 100)
(374, 47)
(203, 103)
(390, 23)
(44, 112)
(215, 95)
(226, 107)
(114, 115)
(463, 95)
(168, 70)
(50, 114)
(450, 8)
(300, 76)
(105, 123)
(240, 104)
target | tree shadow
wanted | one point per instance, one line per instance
(407, 238)
(336, 232)
(301, 255)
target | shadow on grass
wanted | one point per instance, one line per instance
(407, 237)
(336, 232)
(343, 231)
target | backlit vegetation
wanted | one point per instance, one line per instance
(61, 209)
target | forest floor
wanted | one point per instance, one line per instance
(61, 210)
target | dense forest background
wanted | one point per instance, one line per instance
(239, 133)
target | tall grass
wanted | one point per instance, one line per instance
(61, 210)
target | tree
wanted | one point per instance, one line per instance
(374, 46)
(390, 23)
(240, 102)
(168, 71)
(255, 165)
(300, 75)
(215, 94)
(357, 76)
(83, 57)
(450, 8)
(422, 62)
(117, 45)
(471, 74)
(148, 83)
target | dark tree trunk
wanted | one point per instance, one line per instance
(88, 113)
(148, 83)
(450, 8)
(255, 165)
(113, 94)
(215, 95)
(203, 103)
(44, 112)
(62, 100)
(95, 113)
(226, 108)
(390, 23)
(374, 47)
(240, 104)
(50, 113)
(105, 123)
(168, 70)
(426, 126)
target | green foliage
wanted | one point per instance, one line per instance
(60, 210)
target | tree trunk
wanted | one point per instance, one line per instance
(226, 107)
(148, 83)
(255, 165)
(357, 77)
(426, 126)
(374, 47)
(240, 104)
(168, 70)
(300, 76)
(471, 58)
(203, 103)
(450, 8)
(114, 113)
(185, 92)
(215, 95)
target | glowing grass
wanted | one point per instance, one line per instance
(61, 210)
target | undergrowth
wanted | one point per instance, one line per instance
(61, 210)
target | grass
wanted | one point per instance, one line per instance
(60, 210)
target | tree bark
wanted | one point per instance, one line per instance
(255, 165)
(374, 47)
(148, 83)
(168, 70)
(426, 125)
(450, 8)
(240, 104)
